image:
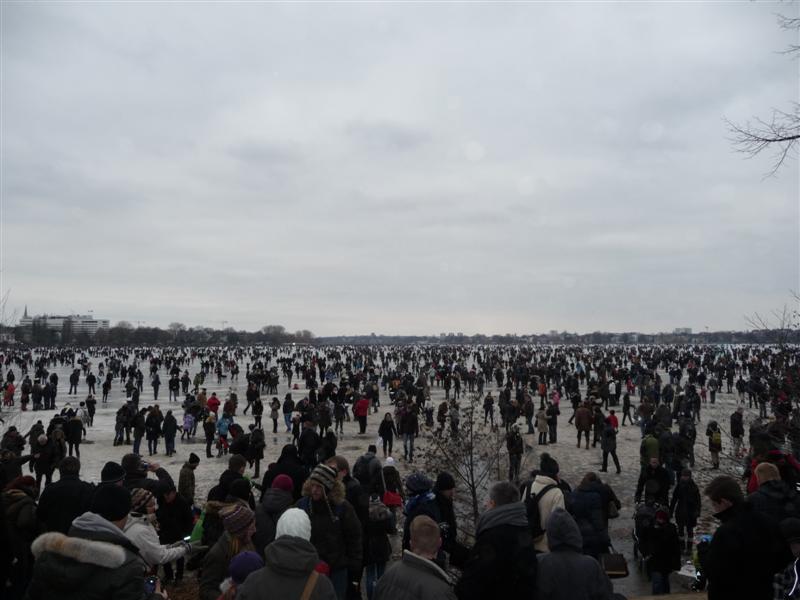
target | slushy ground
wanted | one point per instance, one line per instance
(574, 462)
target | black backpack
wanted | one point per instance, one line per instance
(532, 508)
(361, 470)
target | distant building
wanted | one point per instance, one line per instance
(78, 323)
(682, 331)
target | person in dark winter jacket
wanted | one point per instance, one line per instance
(74, 432)
(380, 523)
(774, 498)
(174, 516)
(287, 464)
(565, 573)
(654, 479)
(662, 541)
(136, 472)
(22, 527)
(387, 431)
(43, 459)
(445, 490)
(308, 444)
(335, 528)
(274, 502)
(608, 444)
(290, 564)
(96, 561)
(186, 481)
(66, 499)
(169, 429)
(421, 501)
(239, 523)
(417, 576)
(685, 506)
(502, 563)
(745, 551)
(587, 504)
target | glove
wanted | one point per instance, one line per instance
(194, 547)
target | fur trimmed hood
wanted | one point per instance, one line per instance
(101, 554)
(336, 495)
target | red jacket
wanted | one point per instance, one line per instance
(361, 409)
(213, 404)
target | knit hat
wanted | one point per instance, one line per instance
(390, 462)
(283, 482)
(194, 459)
(139, 499)
(417, 483)
(324, 475)
(243, 564)
(790, 529)
(112, 502)
(42, 439)
(548, 466)
(445, 482)
(236, 519)
(294, 522)
(240, 488)
(112, 473)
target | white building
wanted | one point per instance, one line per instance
(79, 323)
(682, 331)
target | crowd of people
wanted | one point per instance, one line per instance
(315, 526)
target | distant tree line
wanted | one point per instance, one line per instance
(177, 334)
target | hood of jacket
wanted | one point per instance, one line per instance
(336, 495)
(563, 532)
(291, 556)
(92, 526)
(508, 514)
(276, 500)
(777, 491)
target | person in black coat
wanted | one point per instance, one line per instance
(444, 490)
(74, 431)
(175, 522)
(745, 551)
(288, 464)
(11, 466)
(502, 563)
(588, 505)
(662, 540)
(655, 482)
(66, 499)
(308, 443)
(685, 506)
(169, 429)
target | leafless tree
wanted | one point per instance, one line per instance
(781, 132)
(471, 455)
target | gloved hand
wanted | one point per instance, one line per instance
(194, 547)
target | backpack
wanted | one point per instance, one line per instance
(716, 439)
(377, 509)
(532, 509)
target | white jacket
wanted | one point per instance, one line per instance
(145, 537)
(553, 499)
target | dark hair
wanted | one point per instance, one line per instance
(504, 492)
(724, 487)
(236, 462)
(548, 465)
(372, 448)
(69, 465)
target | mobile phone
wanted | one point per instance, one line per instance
(187, 538)
(144, 464)
(150, 585)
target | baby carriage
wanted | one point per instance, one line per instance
(644, 518)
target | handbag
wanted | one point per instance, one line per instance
(614, 564)
(390, 499)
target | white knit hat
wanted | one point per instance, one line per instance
(294, 522)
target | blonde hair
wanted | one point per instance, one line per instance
(766, 471)
(425, 536)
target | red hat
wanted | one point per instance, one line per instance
(283, 482)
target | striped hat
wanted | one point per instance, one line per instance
(139, 499)
(324, 475)
(237, 518)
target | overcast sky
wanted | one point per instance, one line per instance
(396, 168)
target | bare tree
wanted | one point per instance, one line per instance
(781, 132)
(470, 454)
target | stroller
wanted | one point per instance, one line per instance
(644, 518)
